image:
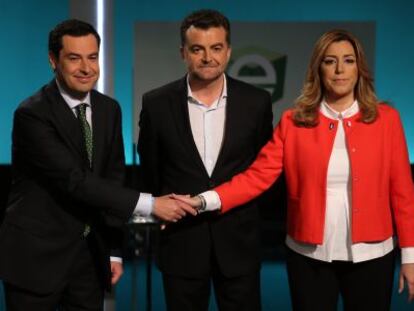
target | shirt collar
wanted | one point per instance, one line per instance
(71, 101)
(193, 100)
(329, 112)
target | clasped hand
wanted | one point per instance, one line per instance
(172, 207)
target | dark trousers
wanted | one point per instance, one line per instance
(81, 291)
(240, 293)
(315, 285)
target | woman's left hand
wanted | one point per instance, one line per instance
(407, 276)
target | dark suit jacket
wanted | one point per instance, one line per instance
(171, 163)
(54, 193)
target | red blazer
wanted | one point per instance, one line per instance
(382, 187)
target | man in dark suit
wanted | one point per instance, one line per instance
(67, 194)
(196, 133)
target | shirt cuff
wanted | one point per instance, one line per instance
(115, 259)
(144, 205)
(213, 201)
(407, 255)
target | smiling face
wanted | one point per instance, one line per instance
(339, 71)
(206, 53)
(77, 67)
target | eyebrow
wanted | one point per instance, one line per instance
(80, 55)
(202, 46)
(72, 54)
(346, 55)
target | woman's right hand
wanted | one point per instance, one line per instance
(194, 201)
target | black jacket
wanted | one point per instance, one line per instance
(54, 193)
(171, 164)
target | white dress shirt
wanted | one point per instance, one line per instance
(74, 102)
(207, 126)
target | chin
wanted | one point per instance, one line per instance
(84, 88)
(210, 77)
(341, 92)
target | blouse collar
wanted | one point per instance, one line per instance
(331, 113)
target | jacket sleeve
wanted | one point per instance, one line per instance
(148, 150)
(261, 174)
(115, 169)
(265, 126)
(38, 148)
(401, 185)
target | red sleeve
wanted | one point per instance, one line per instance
(401, 185)
(259, 176)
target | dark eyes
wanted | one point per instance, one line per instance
(75, 58)
(328, 61)
(349, 60)
(215, 49)
(331, 61)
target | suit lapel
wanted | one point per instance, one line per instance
(67, 123)
(98, 129)
(182, 117)
(230, 125)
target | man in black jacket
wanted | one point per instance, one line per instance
(67, 194)
(196, 133)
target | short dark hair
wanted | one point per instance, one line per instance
(205, 19)
(71, 27)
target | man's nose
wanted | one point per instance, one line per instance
(206, 57)
(84, 66)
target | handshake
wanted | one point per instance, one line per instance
(173, 207)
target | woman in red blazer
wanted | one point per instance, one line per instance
(350, 190)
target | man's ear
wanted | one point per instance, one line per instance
(52, 61)
(228, 54)
(182, 52)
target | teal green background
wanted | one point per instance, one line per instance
(24, 29)
(394, 64)
(24, 26)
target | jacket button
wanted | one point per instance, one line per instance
(353, 149)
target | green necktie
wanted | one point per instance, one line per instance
(87, 136)
(86, 130)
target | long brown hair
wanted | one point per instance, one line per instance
(307, 104)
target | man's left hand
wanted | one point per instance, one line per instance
(117, 270)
